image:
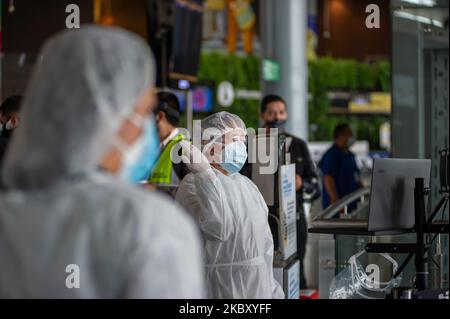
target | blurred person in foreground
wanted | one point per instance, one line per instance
(72, 216)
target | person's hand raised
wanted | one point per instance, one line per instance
(194, 159)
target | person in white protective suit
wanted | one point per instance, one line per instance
(232, 213)
(72, 225)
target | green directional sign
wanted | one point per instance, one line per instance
(271, 71)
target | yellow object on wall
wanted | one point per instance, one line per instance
(215, 4)
(130, 15)
(311, 45)
(244, 14)
(103, 12)
(378, 102)
(241, 17)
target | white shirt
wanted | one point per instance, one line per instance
(167, 140)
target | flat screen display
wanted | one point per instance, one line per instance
(392, 193)
(202, 99)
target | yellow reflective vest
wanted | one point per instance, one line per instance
(163, 173)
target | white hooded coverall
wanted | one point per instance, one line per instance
(67, 230)
(233, 218)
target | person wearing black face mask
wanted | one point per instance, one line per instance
(274, 114)
(9, 121)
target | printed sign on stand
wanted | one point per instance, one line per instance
(288, 210)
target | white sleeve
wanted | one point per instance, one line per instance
(203, 195)
(187, 197)
(165, 262)
(277, 291)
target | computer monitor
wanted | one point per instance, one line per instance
(202, 99)
(391, 208)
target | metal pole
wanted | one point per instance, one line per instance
(421, 255)
(285, 42)
(164, 73)
(189, 111)
(439, 259)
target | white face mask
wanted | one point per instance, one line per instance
(234, 157)
(140, 158)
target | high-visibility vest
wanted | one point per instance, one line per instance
(163, 173)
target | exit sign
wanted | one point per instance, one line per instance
(271, 71)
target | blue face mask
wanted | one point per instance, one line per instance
(142, 156)
(234, 157)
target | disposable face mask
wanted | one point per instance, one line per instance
(234, 157)
(140, 159)
(279, 124)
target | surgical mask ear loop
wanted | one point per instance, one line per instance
(214, 141)
(210, 145)
(138, 121)
(121, 146)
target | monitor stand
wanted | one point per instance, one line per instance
(422, 228)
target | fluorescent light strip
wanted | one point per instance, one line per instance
(427, 3)
(410, 16)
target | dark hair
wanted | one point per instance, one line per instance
(11, 105)
(341, 129)
(270, 99)
(168, 104)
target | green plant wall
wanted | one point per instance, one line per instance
(243, 72)
(325, 74)
(328, 74)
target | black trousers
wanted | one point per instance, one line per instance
(302, 239)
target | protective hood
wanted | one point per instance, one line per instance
(86, 83)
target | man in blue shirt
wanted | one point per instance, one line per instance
(340, 172)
